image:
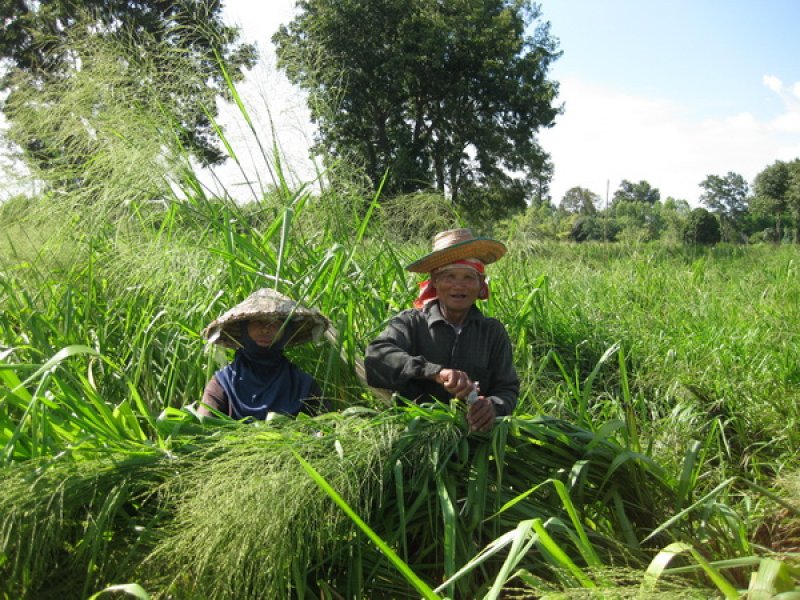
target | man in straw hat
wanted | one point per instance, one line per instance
(445, 347)
(260, 379)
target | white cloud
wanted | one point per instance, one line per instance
(607, 136)
(787, 123)
(773, 83)
(789, 94)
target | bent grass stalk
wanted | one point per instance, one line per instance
(398, 562)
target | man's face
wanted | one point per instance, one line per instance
(457, 288)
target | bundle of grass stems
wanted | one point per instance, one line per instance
(233, 513)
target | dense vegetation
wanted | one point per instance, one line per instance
(660, 406)
(429, 95)
(44, 44)
(654, 452)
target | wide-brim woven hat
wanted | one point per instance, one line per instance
(267, 304)
(458, 244)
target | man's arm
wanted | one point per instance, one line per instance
(505, 382)
(389, 361)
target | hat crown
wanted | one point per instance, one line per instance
(451, 237)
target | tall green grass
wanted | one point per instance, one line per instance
(658, 407)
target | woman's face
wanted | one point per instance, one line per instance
(263, 333)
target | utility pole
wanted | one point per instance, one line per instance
(605, 216)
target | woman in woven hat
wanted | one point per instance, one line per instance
(445, 347)
(260, 379)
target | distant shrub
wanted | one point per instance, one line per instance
(702, 228)
(586, 228)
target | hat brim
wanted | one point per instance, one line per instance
(227, 332)
(270, 305)
(484, 249)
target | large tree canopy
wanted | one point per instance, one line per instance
(580, 201)
(727, 197)
(444, 95)
(35, 42)
(641, 192)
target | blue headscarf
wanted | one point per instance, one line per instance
(261, 380)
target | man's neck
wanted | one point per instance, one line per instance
(454, 318)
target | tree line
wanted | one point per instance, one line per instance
(733, 211)
(419, 96)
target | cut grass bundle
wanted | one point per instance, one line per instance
(233, 515)
(68, 527)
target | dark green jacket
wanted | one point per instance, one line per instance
(418, 344)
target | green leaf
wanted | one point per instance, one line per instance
(398, 562)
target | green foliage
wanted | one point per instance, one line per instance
(233, 515)
(641, 192)
(777, 192)
(638, 221)
(702, 228)
(674, 214)
(727, 197)
(416, 217)
(586, 228)
(446, 96)
(39, 42)
(580, 200)
(110, 110)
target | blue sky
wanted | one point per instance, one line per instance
(666, 91)
(709, 55)
(673, 91)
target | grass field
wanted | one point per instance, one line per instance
(653, 454)
(658, 418)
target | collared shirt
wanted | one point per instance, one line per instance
(417, 344)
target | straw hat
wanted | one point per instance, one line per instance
(458, 244)
(266, 304)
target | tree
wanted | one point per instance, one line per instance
(444, 95)
(793, 196)
(702, 228)
(636, 209)
(674, 213)
(769, 194)
(726, 196)
(580, 200)
(35, 42)
(641, 192)
(589, 227)
(776, 193)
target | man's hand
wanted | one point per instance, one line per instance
(481, 414)
(455, 382)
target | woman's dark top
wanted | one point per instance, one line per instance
(214, 396)
(261, 380)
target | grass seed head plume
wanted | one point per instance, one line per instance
(246, 513)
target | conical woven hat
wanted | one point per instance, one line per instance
(458, 244)
(266, 304)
